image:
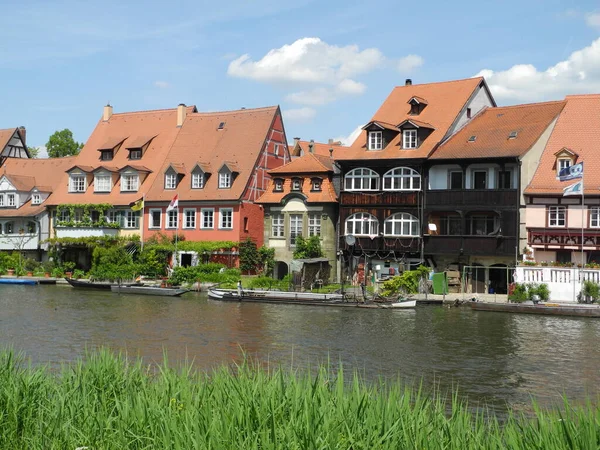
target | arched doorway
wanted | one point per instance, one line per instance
(281, 270)
(498, 275)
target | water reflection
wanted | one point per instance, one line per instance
(492, 357)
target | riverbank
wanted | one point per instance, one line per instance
(106, 402)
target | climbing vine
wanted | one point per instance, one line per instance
(86, 216)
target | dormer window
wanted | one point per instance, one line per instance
(36, 199)
(130, 182)
(564, 164)
(375, 140)
(135, 153)
(296, 184)
(316, 184)
(417, 104)
(107, 155)
(224, 179)
(409, 139)
(11, 200)
(197, 180)
(170, 180)
(278, 185)
(76, 182)
(102, 182)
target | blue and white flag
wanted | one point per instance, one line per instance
(571, 172)
(574, 189)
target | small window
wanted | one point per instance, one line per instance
(173, 219)
(155, 218)
(504, 179)
(113, 216)
(468, 113)
(189, 218)
(314, 224)
(375, 140)
(77, 183)
(135, 154)
(473, 138)
(414, 108)
(456, 180)
(296, 184)
(277, 225)
(479, 179)
(595, 217)
(316, 185)
(207, 219)
(557, 216)
(276, 149)
(130, 182)
(226, 218)
(224, 180)
(102, 183)
(564, 163)
(221, 125)
(278, 185)
(245, 224)
(409, 139)
(131, 219)
(11, 200)
(106, 155)
(36, 199)
(170, 181)
(513, 135)
(197, 180)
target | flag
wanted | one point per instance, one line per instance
(574, 189)
(571, 172)
(174, 203)
(139, 205)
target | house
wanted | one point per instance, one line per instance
(474, 208)
(566, 229)
(12, 144)
(300, 201)
(217, 167)
(25, 185)
(331, 149)
(381, 175)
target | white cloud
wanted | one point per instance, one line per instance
(579, 73)
(322, 95)
(161, 84)
(410, 63)
(299, 115)
(593, 19)
(349, 140)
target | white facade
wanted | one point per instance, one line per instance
(564, 283)
(479, 101)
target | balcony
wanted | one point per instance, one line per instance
(19, 241)
(569, 238)
(487, 198)
(76, 232)
(385, 244)
(379, 198)
(470, 245)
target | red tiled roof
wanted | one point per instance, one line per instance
(577, 129)
(5, 136)
(319, 148)
(309, 163)
(492, 128)
(445, 101)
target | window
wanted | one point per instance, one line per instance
(316, 184)
(277, 225)
(450, 225)
(224, 180)
(295, 227)
(375, 140)
(414, 108)
(131, 219)
(77, 183)
(468, 113)
(197, 180)
(278, 185)
(155, 218)
(479, 179)
(78, 216)
(314, 224)
(11, 200)
(1, 199)
(31, 227)
(246, 223)
(563, 164)
(563, 256)
(595, 217)
(36, 199)
(504, 179)
(189, 218)
(456, 180)
(226, 218)
(112, 217)
(557, 216)
(63, 215)
(472, 138)
(102, 183)
(130, 182)
(409, 139)
(276, 149)
(402, 179)
(135, 154)
(208, 216)
(173, 219)
(106, 155)
(296, 184)
(9, 228)
(513, 134)
(94, 215)
(481, 225)
(401, 224)
(362, 224)
(170, 181)
(361, 179)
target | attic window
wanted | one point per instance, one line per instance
(135, 153)
(414, 109)
(472, 138)
(106, 155)
(278, 185)
(468, 113)
(316, 184)
(513, 135)
(170, 180)
(221, 126)
(564, 163)
(225, 179)
(375, 140)
(36, 199)
(296, 184)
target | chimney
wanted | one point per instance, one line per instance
(331, 152)
(330, 141)
(181, 112)
(23, 134)
(296, 140)
(108, 111)
(311, 145)
(408, 82)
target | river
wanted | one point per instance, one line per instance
(497, 359)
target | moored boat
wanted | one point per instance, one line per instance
(147, 290)
(17, 281)
(256, 295)
(404, 304)
(552, 309)
(95, 284)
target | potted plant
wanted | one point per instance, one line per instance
(30, 265)
(48, 267)
(78, 274)
(57, 272)
(590, 292)
(68, 268)
(10, 272)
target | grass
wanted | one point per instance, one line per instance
(106, 402)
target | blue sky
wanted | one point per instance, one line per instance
(328, 64)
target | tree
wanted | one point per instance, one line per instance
(34, 151)
(308, 248)
(61, 143)
(249, 256)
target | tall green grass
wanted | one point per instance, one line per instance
(108, 402)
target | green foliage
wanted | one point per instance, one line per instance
(268, 283)
(406, 283)
(527, 291)
(68, 266)
(249, 256)
(61, 144)
(86, 215)
(30, 264)
(267, 259)
(152, 262)
(93, 241)
(48, 266)
(112, 264)
(78, 273)
(207, 273)
(57, 272)
(160, 241)
(34, 152)
(9, 261)
(590, 290)
(308, 248)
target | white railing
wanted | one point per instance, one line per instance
(564, 283)
(75, 232)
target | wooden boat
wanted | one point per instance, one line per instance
(404, 304)
(551, 309)
(256, 295)
(147, 290)
(95, 284)
(17, 281)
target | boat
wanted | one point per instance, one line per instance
(257, 295)
(551, 309)
(404, 304)
(95, 284)
(17, 281)
(147, 290)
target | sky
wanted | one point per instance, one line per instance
(328, 64)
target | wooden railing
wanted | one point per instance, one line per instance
(472, 197)
(367, 198)
(470, 245)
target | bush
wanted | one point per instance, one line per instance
(527, 291)
(112, 264)
(268, 283)
(208, 273)
(407, 283)
(590, 292)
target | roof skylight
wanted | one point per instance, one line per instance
(472, 138)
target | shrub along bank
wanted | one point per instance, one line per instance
(106, 403)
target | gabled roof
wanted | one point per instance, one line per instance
(111, 143)
(233, 167)
(136, 142)
(21, 182)
(318, 148)
(446, 101)
(179, 169)
(492, 128)
(5, 136)
(416, 123)
(417, 99)
(80, 167)
(325, 195)
(107, 168)
(204, 167)
(577, 129)
(567, 151)
(309, 163)
(382, 125)
(136, 167)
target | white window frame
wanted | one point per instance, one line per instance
(408, 224)
(314, 224)
(296, 184)
(563, 163)
(276, 149)
(186, 216)
(225, 216)
(361, 179)
(362, 224)
(205, 216)
(36, 199)
(77, 182)
(137, 153)
(11, 200)
(224, 180)
(296, 227)
(316, 184)
(198, 180)
(131, 220)
(98, 186)
(130, 182)
(402, 179)
(278, 185)
(277, 225)
(558, 211)
(151, 218)
(112, 216)
(170, 180)
(595, 217)
(172, 219)
(375, 140)
(1, 200)
(409, 139)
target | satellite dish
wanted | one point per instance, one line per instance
(350, 240)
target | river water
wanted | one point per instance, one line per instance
(496, 359)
